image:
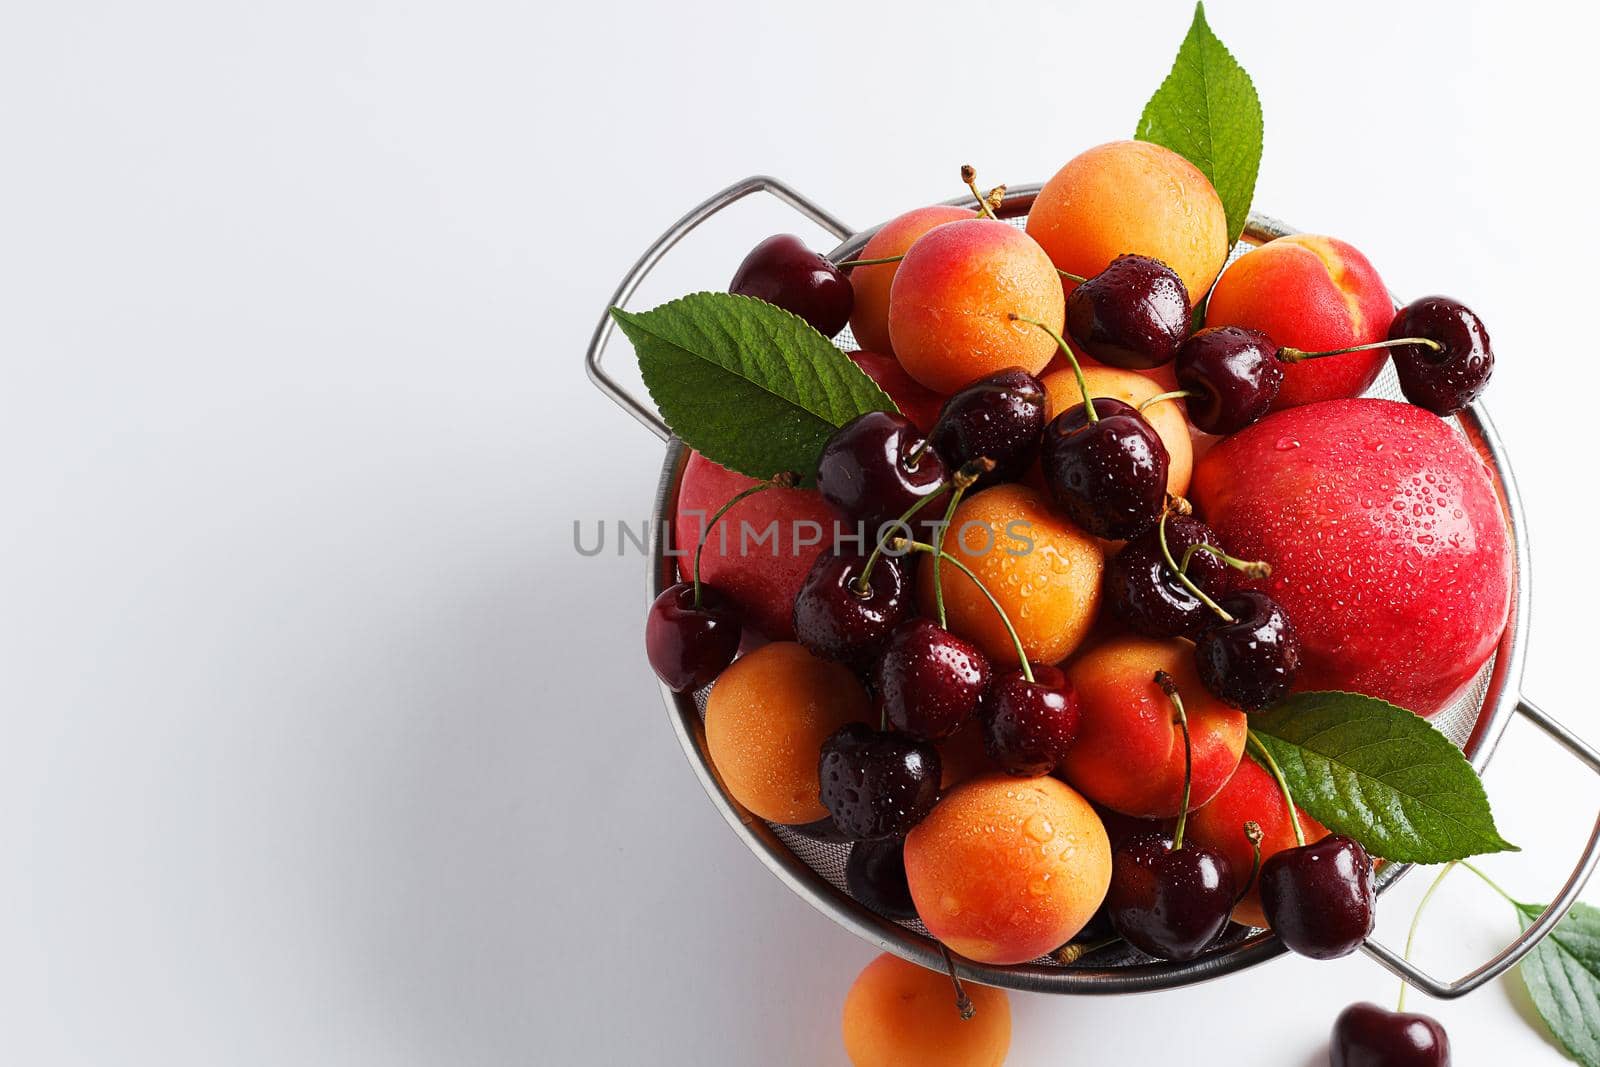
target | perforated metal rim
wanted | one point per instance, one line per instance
(1490, 702)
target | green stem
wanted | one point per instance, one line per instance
(1179, 572)
(1076, 279)
(1411, 934)
(845, 263)
(938, 558)
(1170, 687)
(1251, 568)
(1283, 786)
(1252, 833)
(905, 518)
(1300, 355)
(780, 481)
(1175, 394)
(1077, 371)
(1492, 884)
(918, 546)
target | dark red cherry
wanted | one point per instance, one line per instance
(1233, 375)
(690, 644)
(1365, 1035)
(836, 619)
(1133, 314)
(875, 874)
(781, 270)
(876, 783)
(1319, 897)
(1109, 476)
(928, 680)
(1028, 727)
(1140, 589)
(999, 416)
(1250, 662)
(874, 467)
(1448, 380)
(1169, 903)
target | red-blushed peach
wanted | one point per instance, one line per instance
(1132, 197)
(1004, 870)
(1129, 752)
(951, 304)
(1386, 539)
(1313, 293)
(1131, 387)
(869, 320)
(898, 1015)
(760, 571)
(916, 403)
(1251, 795)
(1044, 571)
(766, 719)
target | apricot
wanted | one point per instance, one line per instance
(1131, 387)
(766, 719)
(951, 303)
(761, 551)
(1044, 571)
(1314, 293)
(1005, 870)
(1251, 794)
(1132, 197)
(1129, 752)
(900, 1015)
(869, 320)
(919, 404)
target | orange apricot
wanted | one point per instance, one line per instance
(1005, 870)
(898, 1015)
(1132, 196)
(766, 720)
(869, 317)
(1044, 571)
(952, 299)
(1167, 418)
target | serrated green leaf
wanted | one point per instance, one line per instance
(1379, 774)
(747, 384)
(1208, 112)
(1563, 979)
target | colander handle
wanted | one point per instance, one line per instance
(641, 410)
(1540, 927)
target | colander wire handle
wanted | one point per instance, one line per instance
(1547, 920)
(641, 410)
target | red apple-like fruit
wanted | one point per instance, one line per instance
(916, 402)
(1386, 538)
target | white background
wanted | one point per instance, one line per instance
(321, 743)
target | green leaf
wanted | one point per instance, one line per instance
(1379, 774)
(1208, 112)
(747, 384)
(1563, 979)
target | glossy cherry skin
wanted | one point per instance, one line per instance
(1233, 375)
(866, 469)
(929, 681)
(875, 874)
(999, 416)
(1134, 314)
(1028, 727)
(1250, 662)
(1446, 381)
(1169, 903)
(781, 270)
(1319, 897)
(834, 619)
(1141, 591)
(1110, 476)
(876, 783)
(1365, 1035)
(689, 645)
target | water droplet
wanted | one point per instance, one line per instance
(1287, 444)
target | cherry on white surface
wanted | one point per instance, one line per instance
(324, 746)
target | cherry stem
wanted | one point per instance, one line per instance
(944, 528)
(1176, 394)
(1073, 951)
(1411, 934)
(1077, 371)
(1283, 786)
(1252, 568)
(845, 263)
(1492, 884)
(1076, 279)
(1300, 355)
(1179, 573)
(963, 1002)
(785, 480)
(905, 518)
(969, 174)
(1252, 833)
(901, 543)
(1170, 687)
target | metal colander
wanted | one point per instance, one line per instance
(815, 868)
